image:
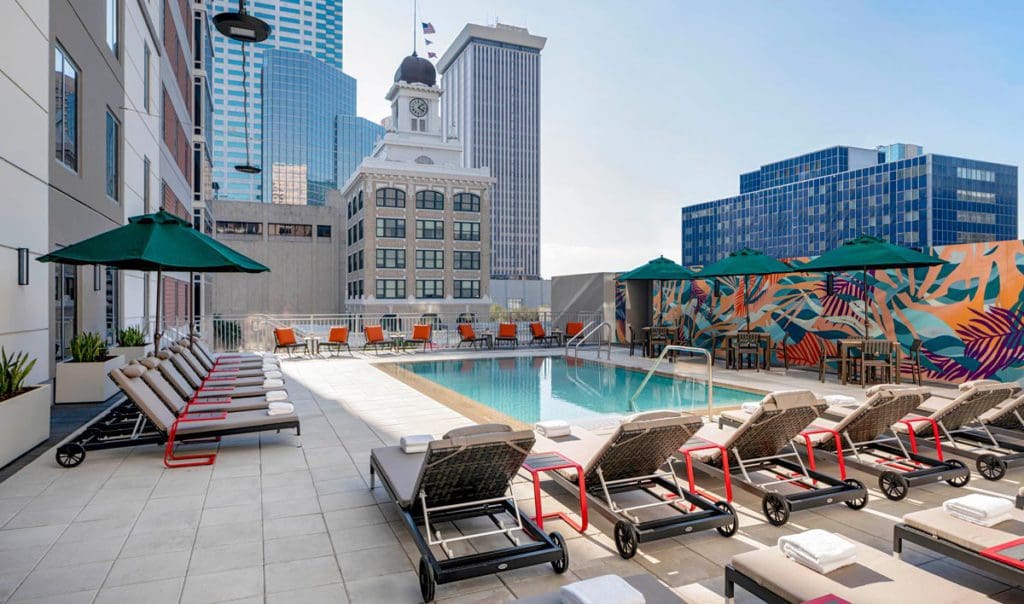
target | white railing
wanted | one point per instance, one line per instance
(710, 364)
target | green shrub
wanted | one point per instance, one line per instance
(131, 336)
(14, 369)
(88, 348)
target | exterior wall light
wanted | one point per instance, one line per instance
(22, 266)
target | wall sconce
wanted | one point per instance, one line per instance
(96, 278)
(830, 284)
(22, 266)
(718, 288)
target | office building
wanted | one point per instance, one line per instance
(806, 205)
(418, 220)
(491, 76)
(310, 133)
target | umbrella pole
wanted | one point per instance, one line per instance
(156, 324)
(746, 298)
(191, 311)
(865, 277)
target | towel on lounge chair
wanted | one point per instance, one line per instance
(279, 408)
(601, 590)
(273, 374)
(551, 428)
(819, 550)
(416, 443)
(750, 406)
(273, 383)
(276, 396)
(840, 400)
(983, 510)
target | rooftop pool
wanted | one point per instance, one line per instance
(532, 389)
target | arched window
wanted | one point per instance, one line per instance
(389, 197)
(467, 202)
(430, 200)
(423, 159)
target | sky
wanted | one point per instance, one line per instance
(648, 106)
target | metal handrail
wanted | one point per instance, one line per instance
(576, 348)
(580, 333)
(711, 364)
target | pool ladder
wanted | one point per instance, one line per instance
(585, 333)
(710, 365)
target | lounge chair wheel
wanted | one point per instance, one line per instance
(893, 486)
(775, 508)
(730, 529)
(860, 502)
(562, 564)
(962, 480)
(991, 467)
(427, 582)
(70, 455)
(625, 539)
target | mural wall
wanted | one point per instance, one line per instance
(968, 313)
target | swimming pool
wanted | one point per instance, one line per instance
(532, 389)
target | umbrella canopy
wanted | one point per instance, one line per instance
(745, 262)
(659, 269)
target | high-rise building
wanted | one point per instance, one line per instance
(811, 203)
(491, 77)
(302, 144)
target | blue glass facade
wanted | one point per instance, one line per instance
(357, 137)
(809, 204)
(302, 145)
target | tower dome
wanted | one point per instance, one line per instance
(416, 70)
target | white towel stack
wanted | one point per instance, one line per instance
(552, 428)
(280, 408)
(416, 443)
(606, 589)
(751, 407)
(272, 375)
(840, 400)
(818, 550)
(276, 396)
(983, 510)
(273, 383)
(270, 366)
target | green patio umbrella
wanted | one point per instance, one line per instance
(156, 242)
(744, 263)
(867, 253)
(660, 269)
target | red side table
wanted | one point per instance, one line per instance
(549, 462)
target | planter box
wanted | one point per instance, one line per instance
(24, 422)
(131, 353)
(86, 382)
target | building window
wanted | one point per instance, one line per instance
(419, 125)
(391, 227)
(279, 229)
(976, 174)
(430, 200)
(467, 261)
(390, 288)
(430, 229)
(236, 227)
(359, 198)
(467, 231)
(515, 303)
(430, 288)
(430, 259)
(113, 157)
(323, 231)
(112, 26)
(146, 169)
(146, 85)
(975, 196)
(113, 306)
(389, 197)
(467, 202)
(390, 258)
(65, 113)
(466, 288)
(359, 260)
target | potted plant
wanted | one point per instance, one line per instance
(131, 344)
(24, 410)
(85, 378)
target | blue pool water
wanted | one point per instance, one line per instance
(532, 389)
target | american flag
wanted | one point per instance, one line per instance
(428, 28)
(431, 55)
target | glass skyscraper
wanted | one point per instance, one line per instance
(809, 204)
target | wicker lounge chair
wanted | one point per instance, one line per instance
(1009, 414)
(221, 363)
(284, 337)
(233, 358)
(199, 379)
(466, 475)
(238, 372)
(636, 461)
(178, 404)
(184, 384)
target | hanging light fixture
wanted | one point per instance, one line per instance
(242, 26)
(247, 167)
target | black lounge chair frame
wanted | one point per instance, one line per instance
(122, 425)
(734, 577)
(902, 532)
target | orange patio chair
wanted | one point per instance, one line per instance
(573, 328)
(507, 333)
(468, 336)
(284, 337)
(421, 334)
(540, 336)
(374, 338)
(336, 338)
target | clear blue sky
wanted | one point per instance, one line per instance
(649, 106)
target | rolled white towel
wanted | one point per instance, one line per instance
(976, 508)
(601, 590)
(840, 400)
(818, 550)
(416, 443)
(750, 407)
(271, 366)
(276, 395)
(273, 375)
(279, 408)
(273, 383)
(553, 427)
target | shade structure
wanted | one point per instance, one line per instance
(156, 242)
(867, 253)
(744, 263)
(659, 269)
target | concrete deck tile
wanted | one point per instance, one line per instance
(289, 576)
(142, 569)
(166, 591)
(302, 547)
(223, 586)
(209, 560)
(63, 580)
(324, 594)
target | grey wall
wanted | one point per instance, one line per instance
(535, 293)
(590, 292)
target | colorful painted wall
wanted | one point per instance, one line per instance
(968, 313)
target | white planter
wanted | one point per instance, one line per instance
(131, 353)
(24, 422)
(86, 382)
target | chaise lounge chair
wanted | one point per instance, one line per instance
(259, 384)
(178, 404)
(233, 358)
(1008, 415)
(238, 372)
(185, 384)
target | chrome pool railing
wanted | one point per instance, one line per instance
(600, 345)
(710, 365)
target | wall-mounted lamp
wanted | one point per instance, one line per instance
(96, 285)
(830, 284)
(22, 266)
(718, 289)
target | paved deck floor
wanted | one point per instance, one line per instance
(275, 522)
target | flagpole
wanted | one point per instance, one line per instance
(414, 18)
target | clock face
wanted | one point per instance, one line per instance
(418, 107)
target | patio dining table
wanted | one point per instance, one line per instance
(845, 346)
(764, 342)
(670, 334)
